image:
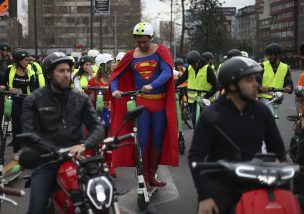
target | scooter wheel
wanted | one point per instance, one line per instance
(181, 147)
(141, 203)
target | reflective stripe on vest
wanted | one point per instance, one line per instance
(198, 82)
(12, 74)
(271, 79)
(39, 74)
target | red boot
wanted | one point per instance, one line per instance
(145, 161)
(112, 170)
(154, 160)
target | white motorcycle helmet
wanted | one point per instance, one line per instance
(120, 55)
(93, 53)
(103, 59)
(143, 29)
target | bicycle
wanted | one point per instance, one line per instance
(185, 108)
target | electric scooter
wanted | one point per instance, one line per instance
(12, 170)
(143, 195)
(181, 139)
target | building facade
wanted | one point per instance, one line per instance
(64, 25)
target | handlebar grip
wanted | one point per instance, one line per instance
(205, 165)
(12, 191)
(125, 137)
(130, 93)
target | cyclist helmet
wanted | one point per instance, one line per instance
(143, 29)
(120, 55)
(233, 52)
(236, 68)
(93, 53)
(20, 54)
(207, 56)
(72, 58)
(50, 62)
(193, 57)
(244, 53)
(84, 59)
(103, 58)
(273, 48)
(178, 61)
(5, 46)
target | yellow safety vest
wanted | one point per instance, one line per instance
(11, 76)
(271, 79)
(83, 81)
(39, 74)
(198, 82)
(95, 68)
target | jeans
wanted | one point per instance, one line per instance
(43, 181)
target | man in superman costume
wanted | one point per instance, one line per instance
(147, 67)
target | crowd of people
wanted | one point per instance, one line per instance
(60, 104)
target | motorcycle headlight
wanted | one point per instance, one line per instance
(100, 192)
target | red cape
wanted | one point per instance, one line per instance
(125, 156)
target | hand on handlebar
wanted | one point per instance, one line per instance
(2, 87)
(207, 206)
(77, 151)
(287, 90)
(147, 88)
(116, 94)
(263, 89)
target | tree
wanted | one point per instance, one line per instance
(207, 28)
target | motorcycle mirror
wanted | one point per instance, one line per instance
(133, 114)
(29, 158)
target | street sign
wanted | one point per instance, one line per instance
(101, 7)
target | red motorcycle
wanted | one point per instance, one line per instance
(269, 175)
(84, 186)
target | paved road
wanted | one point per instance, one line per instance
(179, 195)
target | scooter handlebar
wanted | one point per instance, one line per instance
(131, 93)
(12, 191)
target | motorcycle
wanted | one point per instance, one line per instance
(84, 186)
(269, 175)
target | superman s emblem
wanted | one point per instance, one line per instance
(146, 68)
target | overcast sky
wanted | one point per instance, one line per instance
(153, 7)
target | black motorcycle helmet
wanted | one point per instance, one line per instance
(207, 56)
(233, 52)
(178, 61)
(273, 48)
(235, 69)
(50, 62)
(5, 46)
(20, 54)
(84, 59)
(193, 57)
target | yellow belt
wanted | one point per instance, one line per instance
(152, 96)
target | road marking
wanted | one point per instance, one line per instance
(128, 201)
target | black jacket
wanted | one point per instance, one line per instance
(61, 118)
(247, 129)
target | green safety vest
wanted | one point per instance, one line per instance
(11, 76)
(198, 82)
(271, 79)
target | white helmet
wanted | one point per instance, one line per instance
(93, 53)
(120, 55)
(143, 29)
(103, 58)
